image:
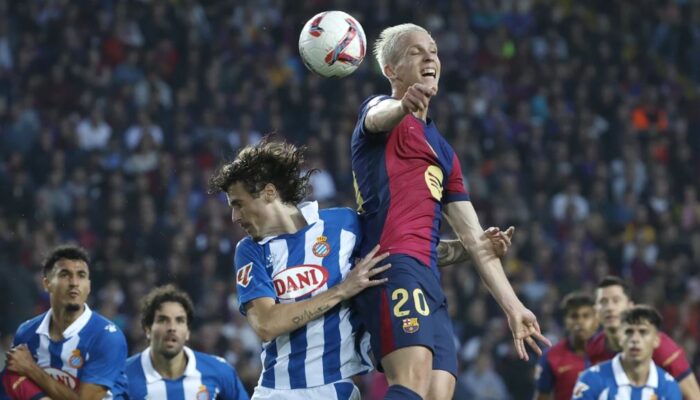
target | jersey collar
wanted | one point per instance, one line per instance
(621, 377)
(71, 330)
(153, 376)
(308, 209)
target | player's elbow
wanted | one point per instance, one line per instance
(264, 332)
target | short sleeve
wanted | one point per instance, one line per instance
(232, 385)
(671, 357)
(454, 188)
(106, 360)
(252, 280)
(364, 109)
(589, 385)
(544, 378)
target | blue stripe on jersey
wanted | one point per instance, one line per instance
(331, 347)
(331, 325)
(343, 390)
(55, 350)
(436, 239)
(297, 339)
(268, 378)
(175, 389)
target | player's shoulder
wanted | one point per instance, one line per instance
(248, 245)
(339, 214)
(133, 363)
(28, 328)
(596, 343)
(667, 341)
(373, 100)
(101, 324)
(559, 350)
(211, 362)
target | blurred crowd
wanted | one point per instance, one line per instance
(576, 122)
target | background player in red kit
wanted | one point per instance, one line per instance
(612, 298)
(407, 177)
(560, 365)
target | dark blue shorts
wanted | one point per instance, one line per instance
(409, 310)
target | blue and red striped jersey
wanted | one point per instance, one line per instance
(402, 180)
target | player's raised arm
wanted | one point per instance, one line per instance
(463, 219)
(451, 252)
(270, 319)
(389, 112)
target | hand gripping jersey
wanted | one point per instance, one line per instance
(669, 355)
(206, 377)
(558, 369)
(294, 267)
(93, 351)
(608, 381)
(402, 180)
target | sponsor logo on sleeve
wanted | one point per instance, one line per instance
(243, 276)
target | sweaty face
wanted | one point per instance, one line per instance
(248, 211)
(581, 323)
(417, 60)
(169, 330)
(610, 303)
(68, 283)
(638, 341)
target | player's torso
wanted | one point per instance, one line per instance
(399, 184)
(566, 366)
(62, 359)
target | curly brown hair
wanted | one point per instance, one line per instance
(275, 162)
(163, 294)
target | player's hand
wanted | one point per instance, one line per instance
(20, 360)
(417, 98)
(359, 277)
(523, 324)
(500, 241)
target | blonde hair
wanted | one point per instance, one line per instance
(386, 46)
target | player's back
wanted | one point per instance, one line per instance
(294, 267)
(403, 178)
(608, 381)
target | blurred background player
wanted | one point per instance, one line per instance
(631, 374)
(560, 365)
(170, 370)
(406, 176)
(70, 352)
(612, 298)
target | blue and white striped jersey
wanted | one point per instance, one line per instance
(608, 381)
(93, 351)
(295, 267)
(206, 377)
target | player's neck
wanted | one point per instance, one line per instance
(62, 318)
(637, 372)
(287, 219)
(169, 368)
(610, 341)
(579, 346)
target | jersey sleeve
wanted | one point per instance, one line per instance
(454, 188)
(106, 361)
(589, 385)
(233, 388)
(364, 109)
(671, 390)
(544, 377)
(671, 357)
(252, 280)
(18, 387)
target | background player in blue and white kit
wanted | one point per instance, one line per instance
(631, 374)
(168, 369)
(70, 352)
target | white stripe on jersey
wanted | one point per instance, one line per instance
(155, 389)
(648, 394)
(347, 349)
(315, 337)
(67, 351)
(42, 353)
(347, 244)
(280, 254)
(624, 392)
(193, 380)
(604, 394)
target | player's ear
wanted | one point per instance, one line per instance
(389, 71)
(269, 192)
(45, 282)
(148, 333)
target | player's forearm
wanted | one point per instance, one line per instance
(689, 387)
(451, 252)
(280, 319)
(465, 223)
(51, 387)
(384, 116)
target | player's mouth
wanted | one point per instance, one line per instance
(74, 293)
(635, 351)
(428, 73)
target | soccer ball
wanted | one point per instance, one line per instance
(332, 44)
